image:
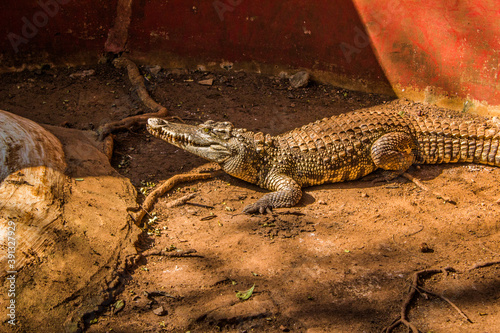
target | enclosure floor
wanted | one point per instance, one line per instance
(338, 262)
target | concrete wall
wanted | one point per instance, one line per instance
(443, 52)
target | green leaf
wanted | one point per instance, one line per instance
(119, 304)
(244, 295)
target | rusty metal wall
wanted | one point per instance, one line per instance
(444, 52)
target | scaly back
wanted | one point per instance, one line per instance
(338, 148)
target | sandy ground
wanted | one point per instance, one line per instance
(341, 261)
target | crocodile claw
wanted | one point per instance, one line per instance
(258, 207)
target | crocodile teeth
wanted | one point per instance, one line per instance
(177, 138)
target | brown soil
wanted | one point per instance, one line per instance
(338, 262)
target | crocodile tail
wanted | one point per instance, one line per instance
(443, 141)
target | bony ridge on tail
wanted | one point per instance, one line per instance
(336, 149)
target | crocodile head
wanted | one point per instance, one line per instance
(234, 149)
(210, 140)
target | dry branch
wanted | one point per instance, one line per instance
(415, 287)
(449, 302)
(181, 201)
(138, 86)
(166, 186)
(172, 254)
(484, 264)
(403, 316)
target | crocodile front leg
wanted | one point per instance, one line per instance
(286, 194)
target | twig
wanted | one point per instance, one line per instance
(152, 294)
(166, 186)
(403, 316)
(415, 287)
(208, 218)
(138, 86)
(484, 264)
(199, 205)
(449, 302)
(415, 232)
(424, 187)
(181, 201)
(173, 254)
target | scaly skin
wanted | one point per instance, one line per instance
(336, 149)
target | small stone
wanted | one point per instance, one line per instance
(227, 65)
(160, 311)
(141, 303)
(321, 202)
(284, 328)
(299, 79)
(283, 75)
(178, 71)
(424, 248)
(84, 73)
(155, 69)
(207, 82)
(364, 195)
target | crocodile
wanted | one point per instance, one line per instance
(340, 148)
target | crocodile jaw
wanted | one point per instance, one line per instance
(194, 139)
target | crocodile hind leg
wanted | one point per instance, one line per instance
(393, 152)
(286, 194)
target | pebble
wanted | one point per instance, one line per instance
(160, 311)
(424, 248)
(84, 73)
(154, 70)
(207, 82)
(283, 75)
(299, 79)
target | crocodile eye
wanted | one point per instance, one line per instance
(206, 130)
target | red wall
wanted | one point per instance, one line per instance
(422, 49)
(295, 32)
(62, 31)
(452, 46)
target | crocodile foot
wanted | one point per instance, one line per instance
(259, 207)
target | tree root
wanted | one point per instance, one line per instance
(416, 288)
(166, 186)
(138, 86)
(424, 187)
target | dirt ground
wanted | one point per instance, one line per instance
(340, 261)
